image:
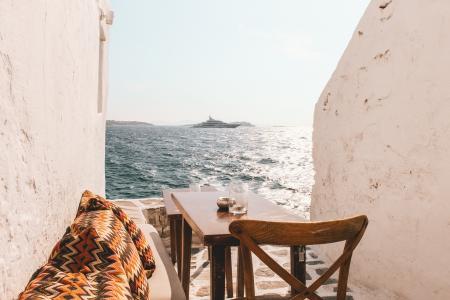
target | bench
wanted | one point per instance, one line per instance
(164, 283)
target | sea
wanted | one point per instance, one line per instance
(275, 162)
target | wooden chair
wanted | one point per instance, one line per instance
(251, 233)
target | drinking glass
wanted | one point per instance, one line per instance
(238, 192)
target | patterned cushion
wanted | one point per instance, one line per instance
(111, 230)
(91, 202)
(103, 255)
(82, 267)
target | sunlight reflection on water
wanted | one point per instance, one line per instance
(276, 161)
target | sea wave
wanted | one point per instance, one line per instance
(141, 161)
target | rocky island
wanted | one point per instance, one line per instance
(126, 123)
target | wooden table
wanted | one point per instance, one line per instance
(176, 222)
(199, 212)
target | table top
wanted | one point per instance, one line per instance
(171, 208)
(199, 209)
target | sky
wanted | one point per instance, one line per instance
(175, 62)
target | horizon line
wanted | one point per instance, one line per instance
(188, 123)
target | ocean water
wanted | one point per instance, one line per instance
(141, 161)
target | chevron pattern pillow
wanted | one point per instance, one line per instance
(102, 254)
(91, 202)
(81, 267)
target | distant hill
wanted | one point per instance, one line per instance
(244, 124)
(126, 123)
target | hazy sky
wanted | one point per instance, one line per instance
(263, 61)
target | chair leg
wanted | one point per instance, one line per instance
(343, 278)
(240, 276)
(228, 272)
(248, 273)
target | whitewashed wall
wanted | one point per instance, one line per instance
(382, 147)
(51, 132)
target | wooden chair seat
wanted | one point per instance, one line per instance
(252, 233)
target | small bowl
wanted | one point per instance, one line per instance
(224, 202)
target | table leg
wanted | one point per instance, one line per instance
(240, 275)
(217, 274)
(186, 257)
(178, 222)
(228, 272)
(173, 242)
(298, 264)
(209, 254)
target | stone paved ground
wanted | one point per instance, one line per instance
(266, 281)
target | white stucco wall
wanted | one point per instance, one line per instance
(51, 134)
(382, 147)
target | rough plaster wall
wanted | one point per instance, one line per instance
(51, 136)
(382, 147)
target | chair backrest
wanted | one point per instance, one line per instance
(252, 232)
